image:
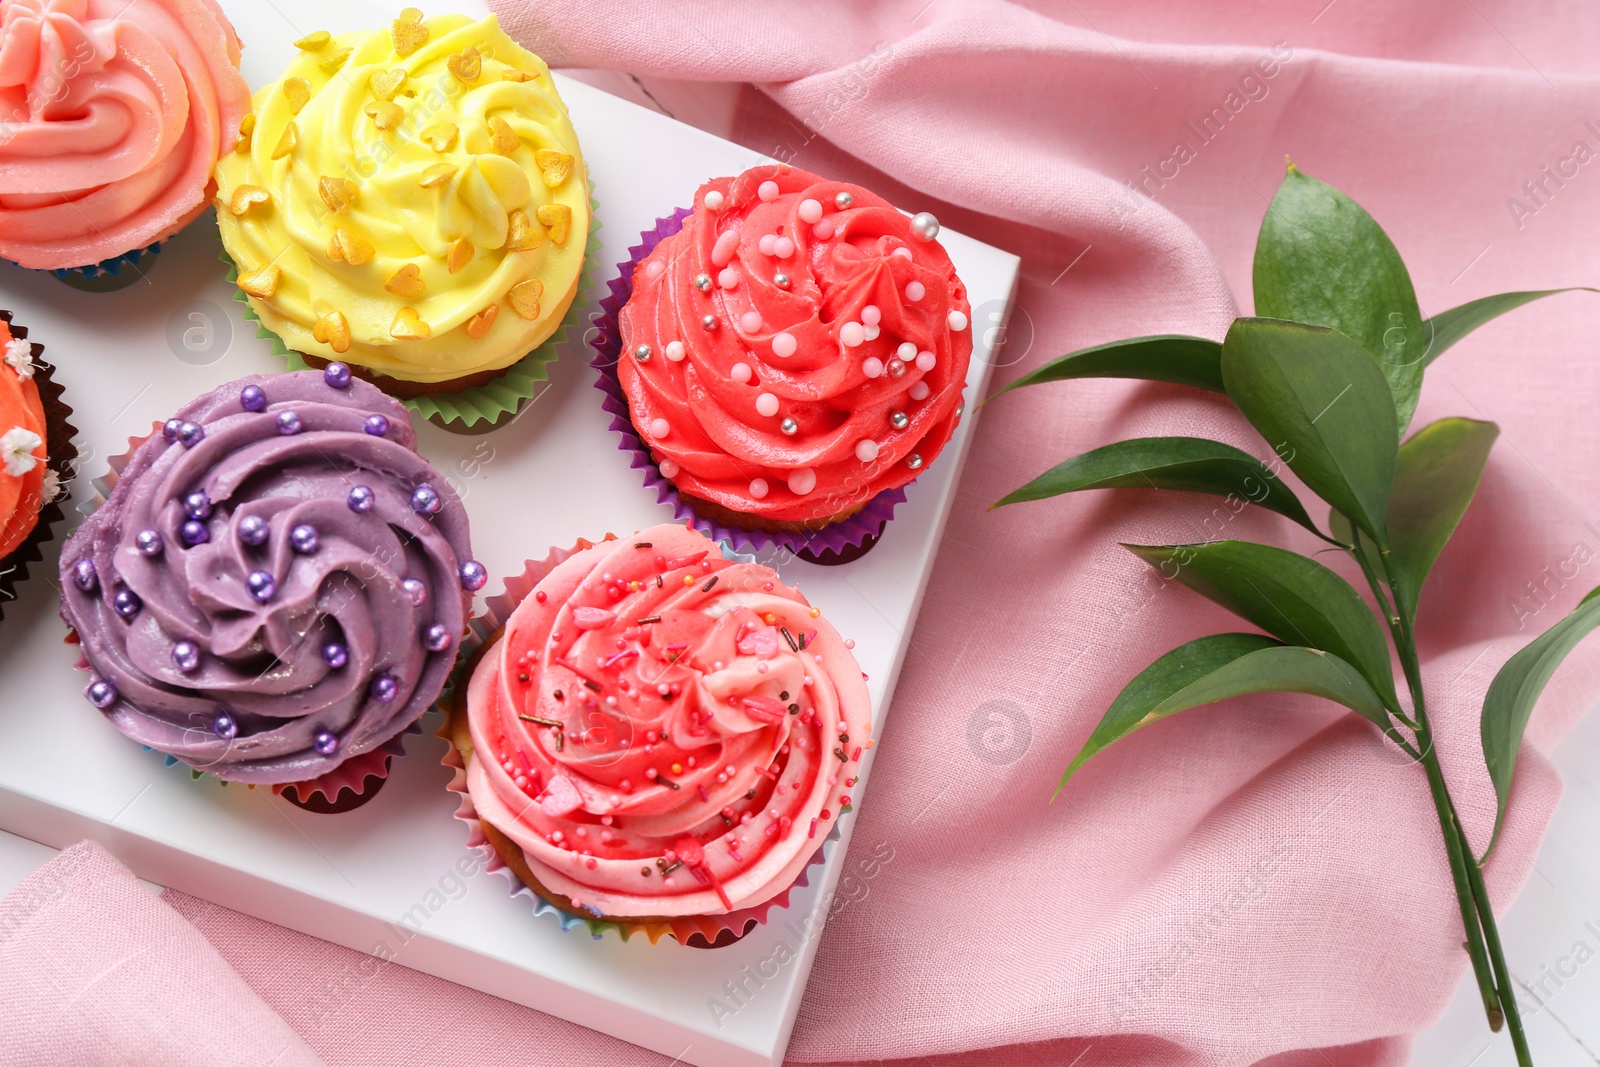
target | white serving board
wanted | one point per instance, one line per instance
(131, 357)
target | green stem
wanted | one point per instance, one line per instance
(1491, 933)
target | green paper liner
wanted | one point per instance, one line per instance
(497, 400)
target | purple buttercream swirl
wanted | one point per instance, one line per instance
(223, 660)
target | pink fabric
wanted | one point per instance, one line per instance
(1255, 883)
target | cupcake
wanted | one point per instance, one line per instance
(36, 454)
(274, 589)
(112, 115)
(410, 201)
(790, 350)
(658, 736)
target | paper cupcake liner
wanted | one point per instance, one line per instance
(494, 401)
(62, 453)
(835, 539)
(696, 931)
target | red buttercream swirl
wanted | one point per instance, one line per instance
(795, 349)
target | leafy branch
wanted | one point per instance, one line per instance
(1329, 373)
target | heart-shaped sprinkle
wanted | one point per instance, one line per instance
(346, 247)
(502, 138)
(247, 126)
(587, 618)
(479, 324)
(408, 32)
(337, 193)
(554, 166)
(764, 709)
(761, 643)
(437, 174)
(521, 233)
(296, 91)
(466, 65)
(261, 283)
(384, 83)
(332, 61)
(385, 114)
(441, 137)
(247, 196)
(408, 326)
(333, 331)
(561, 797)
(406, 282)
(525, 296)
(557, 218)
(286, 143)
(460, 255)
(518, 76)
(314, 42)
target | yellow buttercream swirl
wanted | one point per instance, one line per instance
(410, 200)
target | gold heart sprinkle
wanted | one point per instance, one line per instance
(261, 283)
(333, 331)
(385, 115)
(479, 324)
(557, 219)
(554, 166)
(518, 76)
(466, 65)
(247, 126)
(297, 91)
(346, 247)
(408, 326)
(406, 282)
(437, 174)
(461, 254)
(521, 234)
(337, 193)
(502, 138)
(247, 196)
(286, 143)
(408, 32)
(332, 62)
(314, 42)
(524, 297)
(440, 137)
(385, 83)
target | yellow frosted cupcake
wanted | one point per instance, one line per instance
(409, 201)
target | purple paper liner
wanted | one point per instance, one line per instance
(606, 340)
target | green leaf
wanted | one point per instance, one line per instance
(1221, 666)
(1295, 599)
(1514, 691)
(1448, 327)
(1321, 259)
(1192, 464)
(1435, 478)
(1322, 405)
(1164, 358)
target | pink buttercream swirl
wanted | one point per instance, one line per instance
(665, 732)
(112, 115)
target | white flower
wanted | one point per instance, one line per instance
(51, 487)
(16, 448)
(19, 357)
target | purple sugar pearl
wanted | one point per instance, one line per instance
(253, 398)
(425, 500)
(436, 638)
(197, 505)
(194, 532)
(335, 655)
(224, 725)
(253, 530)
(190, 434)
(169, 429)
(262, 585)
(417, 591)
(473, 576)
(337, 375)
(101, 693)
(377, 425)
(84, 576)
(384, 688)
(360, 498)
(288, 423)
(149, 542)
(325, 742)
(126, 603)
(186, 656)
(305, 539)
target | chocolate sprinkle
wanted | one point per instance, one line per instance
(707, 587)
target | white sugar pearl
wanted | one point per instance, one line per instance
(903, 252)
(669, 468)
(870, 315)
(766, 404)
(750, 321)
(783, 248)
(767, 191)
(919, 390)
(907, 351)
(784, 344)
(872, 366)
(713, 201)
(740, 372)
(675, 351)
(659, 428)
(758, 488)
(925, 361)
(728, 278)
(871, 332)
(802, 481)
(809, 210)
(766, 243)
(654, 268)
(915, 291)
(867, 450)
(823, 230)
(958, 321)
(852, 334)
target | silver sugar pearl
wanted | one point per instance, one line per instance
(702, 282)
(781, 280)
(961, 409)
(914, 461)
(898, 420)
(924, 227)
(843, 200)
(897, 369)
(789, 426)
(642, 353)
(708, 322)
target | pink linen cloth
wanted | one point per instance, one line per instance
(1260, 882)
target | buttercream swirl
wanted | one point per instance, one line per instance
(23, 462)
(795, 349)
(112, 115)
(410, 200)
(275, 584)
(665, 732)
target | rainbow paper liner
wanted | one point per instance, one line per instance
(495, 400)
(61, 452)
(697, 931)
(851, 532)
